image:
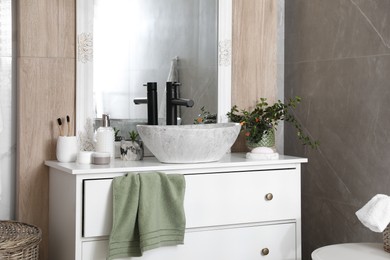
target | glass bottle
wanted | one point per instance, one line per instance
(105, 137)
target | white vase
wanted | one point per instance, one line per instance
(67, 149)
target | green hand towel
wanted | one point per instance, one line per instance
(161, 213)
(124, 238)
(148, 213)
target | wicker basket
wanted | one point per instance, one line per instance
(386, 239)
(19, 241)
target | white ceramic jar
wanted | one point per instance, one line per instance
(67, 149)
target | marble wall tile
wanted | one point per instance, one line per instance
(335, 29)
(201, 89)
(7, 138)
(337, 60)
(6, 28)
(7, 112)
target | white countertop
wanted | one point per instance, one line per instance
(152, 164)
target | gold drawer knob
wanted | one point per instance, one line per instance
(269, 196)
(265, 251)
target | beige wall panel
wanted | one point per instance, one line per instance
(46, 92)
(67, 28)
(254, 51)
(46, 28)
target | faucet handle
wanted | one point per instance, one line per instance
(173, 83)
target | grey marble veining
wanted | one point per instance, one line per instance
(336, 29)
(338, 61)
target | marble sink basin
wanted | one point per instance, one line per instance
(189, 143)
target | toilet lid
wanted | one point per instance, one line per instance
(355, 251)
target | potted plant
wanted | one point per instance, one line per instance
(259, 125)
(132, 149)
(118, 139)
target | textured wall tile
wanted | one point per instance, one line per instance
(335, 29)
(255, 51)
(7, 138)
(46, 92)
(345, 106)
(66, 28)
(338, 63)
(5, 28)
(46, 28)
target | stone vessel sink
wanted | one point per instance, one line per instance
(189, 143)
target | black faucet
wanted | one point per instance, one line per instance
(151, 101)
(173, 101)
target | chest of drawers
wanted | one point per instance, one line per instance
(235, 209)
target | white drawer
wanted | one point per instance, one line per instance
(225, 243)
(97, 208)
(210, 199)
(232, 198)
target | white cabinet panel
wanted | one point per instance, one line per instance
(232, 198)
(236, 243)
(97, 215)
(95, 250)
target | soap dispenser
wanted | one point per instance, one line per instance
(105, 137)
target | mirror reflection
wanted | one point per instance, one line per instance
(141, 41)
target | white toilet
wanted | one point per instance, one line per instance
(351, 251)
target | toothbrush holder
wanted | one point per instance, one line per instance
(67, 149)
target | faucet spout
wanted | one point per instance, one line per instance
(151, 101)
(139, 101)
(173, 101)
(183, 102)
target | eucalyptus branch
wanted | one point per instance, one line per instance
(304, 138)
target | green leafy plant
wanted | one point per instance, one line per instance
(205, 117)
(117, 136)
(264, 118)
(133, 136)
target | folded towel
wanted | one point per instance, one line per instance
(161, 213)
(376, 213)
(124, 237)
(148, 213)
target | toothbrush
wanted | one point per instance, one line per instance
(68, 122)
(59, 121)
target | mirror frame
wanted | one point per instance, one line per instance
(84, 64)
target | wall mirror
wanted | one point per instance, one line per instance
(124, 44)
